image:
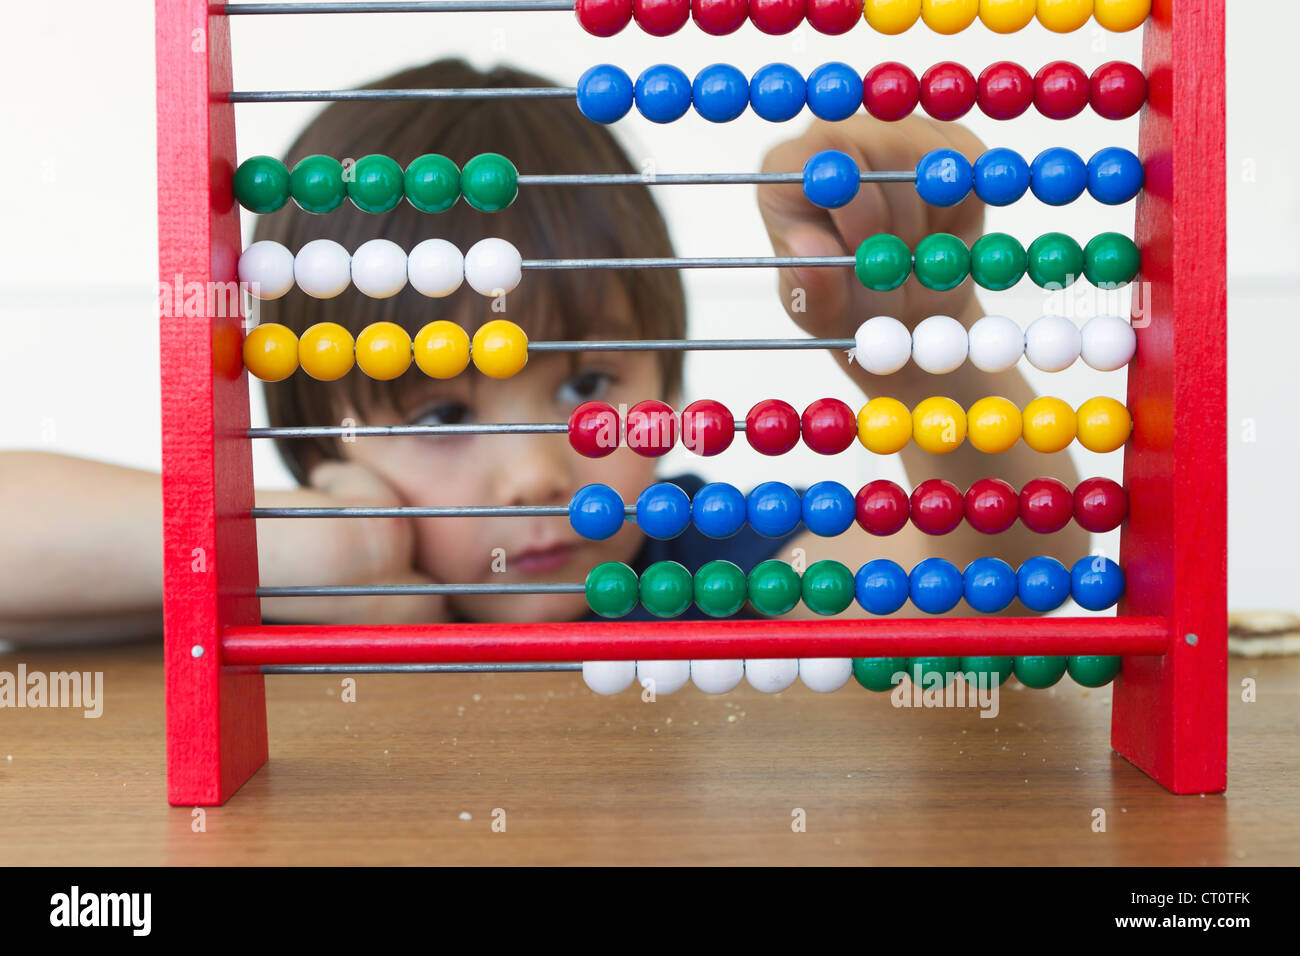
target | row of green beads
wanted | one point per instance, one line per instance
(877, 673)
(375, 183)
(719, 588)
(997, 261)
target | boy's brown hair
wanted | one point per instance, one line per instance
(541, 135)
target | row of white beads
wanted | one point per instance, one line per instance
(771, 676)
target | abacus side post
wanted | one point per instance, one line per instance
(216, 715)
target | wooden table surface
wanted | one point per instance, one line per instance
(417, 768)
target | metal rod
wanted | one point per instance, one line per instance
(397, 6)
(489, 668)
(688, 345)
(339, 590)
(327, 96)
(445, 511)
(690, 179)
(339, 431)
(677, 262)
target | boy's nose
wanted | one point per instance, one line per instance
(532, 471)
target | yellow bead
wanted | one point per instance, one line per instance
(500, 348)
(325, 351)
(994, 424)
(938, 424)
(1121, 15)
(384, 350)
(1104, 424)
(1064, 16)
(1049, 424)
(442, 349)
(884, 426)
(891, 16)
(1007, 16)
(271, 352)
(949, 16)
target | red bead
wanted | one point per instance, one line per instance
(937, 506)
(1060, 90)
(1100, 504)
(992, 505)
(661, 18)
(1117, 90)
(719, 17)
(772, 426)
(777, 17)
(1004, 91)
(651, 428)
(603, 18)
(882, 507)
(834, 17)
(594, 429)
(890, 91)
(707, 427)
(947, 91)
(829, 426)
(1046, 505)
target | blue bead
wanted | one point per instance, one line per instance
(1096, 583)
(830, 179)
(828, 509)
(935, 585)
(596, 512)
(834, 91)
(604, 94)
(944, 177)
(1114, 175)
(718, 510)
(720, 93)
(663, 93)
(1058, 176)
(880, 586)
(663, 510)
(1043, 584)
(989, 584)
(773, 509)
(1001, 176)
(777, 92)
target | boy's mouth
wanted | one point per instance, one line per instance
(543, 558)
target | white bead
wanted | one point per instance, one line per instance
(322, 268)
(882, 345)
(436, 268)
(996, 343)
(266, 267)
(493, 267)
(1052, 343)
(825, 674)
(668, 676)
(609, 677)
(772, 675)
(379, 268)
(1108, 342)
(717, 677)
(939, 344)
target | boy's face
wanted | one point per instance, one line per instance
(506, 469)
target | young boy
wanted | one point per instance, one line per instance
(85, 565)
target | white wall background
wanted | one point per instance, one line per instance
(78, 367)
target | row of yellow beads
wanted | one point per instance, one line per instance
(1004, 16)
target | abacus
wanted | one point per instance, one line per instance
(1165, 648)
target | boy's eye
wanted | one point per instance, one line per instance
(585, 386)
(444, 413)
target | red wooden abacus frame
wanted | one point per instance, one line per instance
(1169, 715)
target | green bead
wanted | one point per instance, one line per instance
(1093, 670)
(375, 183)
(1039, 672)
(922, 670)
(773, 587)
(877, 673)
(489, 182)
(997, 261)
(666, 589)
(720, 589)
(432, 183)
(611, 589)
(1111, 260)
(998, 668)
(1055, 261)
(317, 183)
(827, 587)
(942, 262)
(883, 262)
(261, 184)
